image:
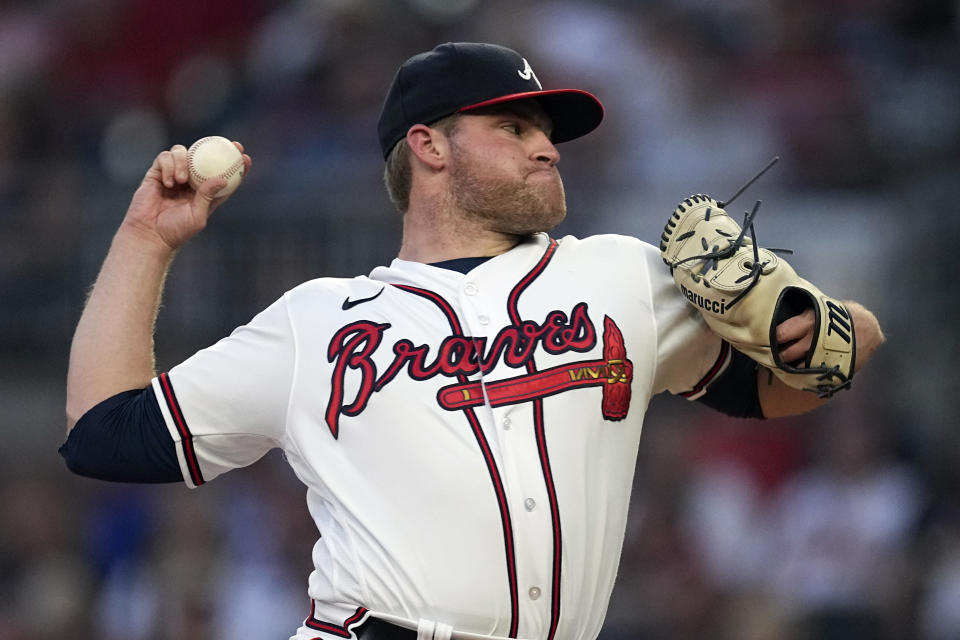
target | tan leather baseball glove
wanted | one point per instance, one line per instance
(744, 292)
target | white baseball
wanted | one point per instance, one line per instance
(215, 157)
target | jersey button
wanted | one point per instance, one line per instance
(529, 504)
(534, 593)
(507, 423)
(483, 319)
(470, 289)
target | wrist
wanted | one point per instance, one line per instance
(867, 329)
(145, 242)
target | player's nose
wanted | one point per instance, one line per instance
(544, 150)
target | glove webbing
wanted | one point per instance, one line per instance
(711, 259)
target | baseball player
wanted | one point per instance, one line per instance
(466, 419)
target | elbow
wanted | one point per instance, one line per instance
(76, 452)
(68, 451)
(70, 461)
(77, 465)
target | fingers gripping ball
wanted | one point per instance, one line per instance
(743, 292)
(215, 157)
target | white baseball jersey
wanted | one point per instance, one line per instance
(468, 441)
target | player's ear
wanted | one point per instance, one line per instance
(428, 145)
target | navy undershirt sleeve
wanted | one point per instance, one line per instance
(123, 439)
(734, 392)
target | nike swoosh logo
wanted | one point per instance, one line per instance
(350, 304)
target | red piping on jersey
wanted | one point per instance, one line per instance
(186, 438)
(508, 543)
(341, 630)
(712, 373)
(539, 429)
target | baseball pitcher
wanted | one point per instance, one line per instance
(466, 419)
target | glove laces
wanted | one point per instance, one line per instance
(711, 259)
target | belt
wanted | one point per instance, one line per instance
(376, 629)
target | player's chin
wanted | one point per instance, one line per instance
(544, 219)
(555, 213)
(552, 221)
(550, 209)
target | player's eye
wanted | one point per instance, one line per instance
(512, 127)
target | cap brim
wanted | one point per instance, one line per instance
(574, 112)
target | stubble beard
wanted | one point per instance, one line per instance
(505, 205)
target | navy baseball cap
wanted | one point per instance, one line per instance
(459, 76)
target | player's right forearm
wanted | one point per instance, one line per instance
(112, 349)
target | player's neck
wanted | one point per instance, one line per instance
(437, 233)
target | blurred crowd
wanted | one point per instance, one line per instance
(842, 524)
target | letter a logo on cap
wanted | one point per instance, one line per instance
(528, 73)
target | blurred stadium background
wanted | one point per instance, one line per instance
(842, 524)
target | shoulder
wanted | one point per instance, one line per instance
(329, 286)
(330, 290)
(616, 253)
(314, 301)
(607, 242)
